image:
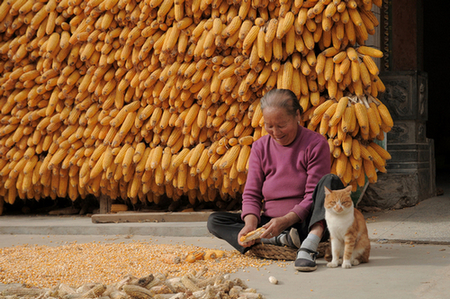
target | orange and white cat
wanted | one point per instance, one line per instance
(348, 229)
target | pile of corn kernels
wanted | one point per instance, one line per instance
(77, 264)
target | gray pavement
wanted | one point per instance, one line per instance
(427, 222)
(410, 255)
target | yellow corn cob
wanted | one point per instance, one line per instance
(308, 40)
(369, 169)
(271, 31)
(166, 158)
(373, 120)
(244, 154)
(347, 145)
(202, 161)
(371, 65)
(98, 168)
(344, 66)
(355, 71)
(380, 150)
(330, 52)
(277, 49)
(340, 109)
(320, 63)
(320, 110)
(347, 119)
(356, 163)
(376, 158)
(329, 112)
(256, 117)
(355, 16)
(323, 128)
(196, 153)
(127, 123)
(287, 75)
(385, 115)
(260, 43)
(356, 149)
(348, 174)
(361, 115)
(377, 114)
(365, 75)
(373, 52)
(232, 27)
(341, 165)
(250, 37)
(339, 57)
(351, 54)
(230, 156)
(285, 24)
(329, 69)
(365, 154)
(359, 175)
(178, 159)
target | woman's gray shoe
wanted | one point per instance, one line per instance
(304, 264)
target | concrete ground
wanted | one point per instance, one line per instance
(395, 270)
(410, 256)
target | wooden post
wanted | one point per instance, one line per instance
(105, 204)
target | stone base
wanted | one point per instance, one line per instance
(410, 178)
(396, 191)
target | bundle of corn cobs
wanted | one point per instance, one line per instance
(158, 286)
(139, 99)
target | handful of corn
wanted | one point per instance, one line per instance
(154, 99)
(253, 235)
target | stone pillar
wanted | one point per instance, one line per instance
(411, 171)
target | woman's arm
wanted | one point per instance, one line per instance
(278, 224)
(273, 228)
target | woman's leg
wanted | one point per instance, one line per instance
(316, 224)
(226, 226)
(332, 182)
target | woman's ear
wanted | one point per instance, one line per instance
(298, 116)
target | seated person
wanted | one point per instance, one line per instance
(284, 191)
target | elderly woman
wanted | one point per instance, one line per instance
(284, 192)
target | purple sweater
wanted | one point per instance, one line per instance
(282, 179)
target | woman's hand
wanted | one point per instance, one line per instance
(251, 223)
(277, 225)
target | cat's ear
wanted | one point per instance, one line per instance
(327, 191)
(348, 188)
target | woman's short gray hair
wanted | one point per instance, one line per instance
(282, 98)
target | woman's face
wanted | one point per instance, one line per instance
(280, 125)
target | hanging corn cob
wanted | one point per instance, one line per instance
(145, 99)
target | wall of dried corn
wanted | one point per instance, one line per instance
(143, 99)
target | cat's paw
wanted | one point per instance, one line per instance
(355, 262)
(346, 265)
(334, 264)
